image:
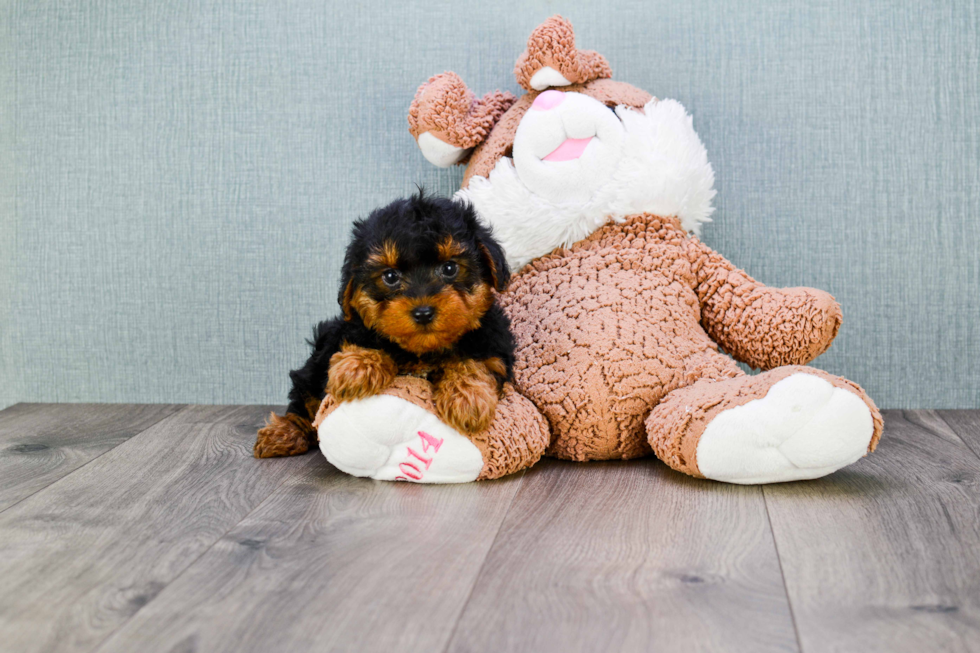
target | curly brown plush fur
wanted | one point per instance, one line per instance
(628, 327)
(671, 301)
(552, 44)
(445, 107)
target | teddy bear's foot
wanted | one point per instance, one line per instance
(388, 438)
(789, 424)
(395, 436)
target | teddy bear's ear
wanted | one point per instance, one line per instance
(448, 120)
(552, 60)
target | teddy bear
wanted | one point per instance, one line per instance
(628, 327)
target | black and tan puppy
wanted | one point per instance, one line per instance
(417, 297)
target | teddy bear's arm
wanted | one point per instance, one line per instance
(761, 326)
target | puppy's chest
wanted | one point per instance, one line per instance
(420, 368)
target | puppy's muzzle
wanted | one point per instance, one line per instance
(423, 314)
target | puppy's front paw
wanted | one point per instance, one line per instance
(356, 373)
(466, 396)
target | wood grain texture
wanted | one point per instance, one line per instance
(41, 443)
(966, 425)
(331, 563)
(81, 556)
(177, 540)
(883, 555)
(629, 556)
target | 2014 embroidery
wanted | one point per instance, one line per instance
(410, 468)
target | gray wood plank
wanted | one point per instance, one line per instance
(629, 556)
(966, 424)
(81, 556)
(331, 563)
(885, 555)
(41, 443)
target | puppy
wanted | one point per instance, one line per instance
(417, 297)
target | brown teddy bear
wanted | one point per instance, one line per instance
(596, 191)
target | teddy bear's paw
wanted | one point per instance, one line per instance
(390, 439)
(803, 428)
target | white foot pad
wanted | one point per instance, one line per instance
(803, 428)
(390, 439)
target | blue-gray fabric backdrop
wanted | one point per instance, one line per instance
(177, 178)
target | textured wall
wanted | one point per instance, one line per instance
(177, 178)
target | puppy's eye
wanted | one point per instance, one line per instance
(391, 278)
(449, 269)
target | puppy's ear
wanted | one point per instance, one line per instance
(346, 298)
(496, 271)
(346, 295)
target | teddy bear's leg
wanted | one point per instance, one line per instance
(396, 436)
(788, 424)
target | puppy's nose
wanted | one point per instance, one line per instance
(548, 100)
(423, 314)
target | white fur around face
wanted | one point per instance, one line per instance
(660, 168)
(803, 428)
(388, 439)
(541, 132)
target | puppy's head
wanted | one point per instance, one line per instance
(421, 272)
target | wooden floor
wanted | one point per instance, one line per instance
(151, 528)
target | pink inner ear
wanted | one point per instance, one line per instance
(572, 148)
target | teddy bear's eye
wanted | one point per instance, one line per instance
(391, 278)
(449, 269)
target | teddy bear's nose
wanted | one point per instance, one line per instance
(548, 100)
